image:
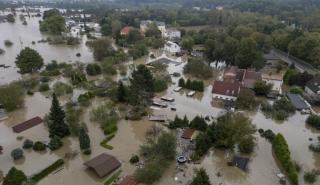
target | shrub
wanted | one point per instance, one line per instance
(17, 154)
(198, 123)
(8, 43)
(160, 85)
(268, 134)
(110, 128)
(39, 146)
(182, 82)
(134, 159)
(14, 177)
(61, 88)
(44, 87)
(198, 69)
(27, 144)
(296, 90)
(93, 69)
(55, 143)
(12, 96)
(310, 177)
(247, 145)
(314, 121)
(45, 172)
(282, 153)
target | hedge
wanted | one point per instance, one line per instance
(45, 172)
(282, 153)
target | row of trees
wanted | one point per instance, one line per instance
(192, 84)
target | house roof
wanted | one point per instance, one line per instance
(234, 73)
(187, 133)
(250, 78)
(269, 74)
(129, 180)
(227, 88)
(270, 56)
(103, 164)
(241, 162)
(27, 124)
(314, 84)
(297, 101)
(125, 30)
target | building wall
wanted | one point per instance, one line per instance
(223, 97)
(277, 84)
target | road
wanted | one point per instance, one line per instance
(300, 65)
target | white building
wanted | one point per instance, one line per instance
(276, 79)
(172, 47)
(173, 34)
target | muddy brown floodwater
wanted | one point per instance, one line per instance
(130, 134)
(22, 36)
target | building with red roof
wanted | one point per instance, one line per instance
(226, 90)
(126, 30)
(129, 180)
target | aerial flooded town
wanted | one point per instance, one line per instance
(188, 92)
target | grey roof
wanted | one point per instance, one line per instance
(297, 101)
(103, 164)
(241, 162)
(314, 84)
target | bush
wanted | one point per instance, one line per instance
(269, 135)
(61, 88)
(110, 128)
(45, 172)
(160, 85)
(296, 90)
(93, 69)
(8, 43)
(55, 143)
(247, 145)
(198, 123)
(17, 154)
(44, 87)
(198, 69)
(282, 153)
(134, 159)
(310, 177)
(14, 177)
(27, 144)
(39, 146)
(314, 121)
(12, 96)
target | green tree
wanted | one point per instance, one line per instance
(187, 43)
(57, 125)
(203, 144)
(29, 60)
(201, 178)
(10, 18)
(17, 154)
(12, 96)
(14, 177)
(93, 69)
(246, 99)
(182, 82)
(55, 143)
(101, 48)
(84, 139)
(262, 88)
(53, 22)
(247, 53)
(122, 93)
(142, 86)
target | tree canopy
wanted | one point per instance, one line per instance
(29, 60)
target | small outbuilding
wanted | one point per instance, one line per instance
(298, 101)
(103, 164)
(27, 124)
(128, 180)
(189, 133)
(241, 162)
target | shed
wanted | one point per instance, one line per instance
(298, 101)
(158, 118)
(27, 124)
(241, 162)
(129, 180)
(188, 133)
(103, 164)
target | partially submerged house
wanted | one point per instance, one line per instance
(104, 164)
(241, 162)
(172, 47)
(226, 90)
(250, 78)
(272, 77)
(126, 30)
(27, 124)
(312, 88)
(298, 101)
(173, 35)
(189, 133)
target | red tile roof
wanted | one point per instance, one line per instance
(27, 124)
(103, 164)
(129, 180)
(187, 133)
(125, 30)
(227, 88)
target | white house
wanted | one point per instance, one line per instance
(276, 79)
(173, 34)
(172, 47)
